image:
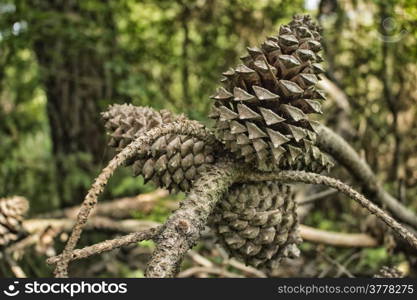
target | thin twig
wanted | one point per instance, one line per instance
(95, 223)
(245, 269)
(335, 263)
(117, 208)
(336, 238)
(14, 266)
(227, 261)
(341, 151)
(24, 243)
(108, 245)
(317, 196)
(347, 263)
(182, 127)
(197, 258)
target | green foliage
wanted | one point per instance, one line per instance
(374, 258)
(159, 213)
(147, 244)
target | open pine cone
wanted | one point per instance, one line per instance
(172, 161)
(262, 111)
(261, 119)
(12, 212)
(126, 122)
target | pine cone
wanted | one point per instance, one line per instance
(257, 223)
(172, 161)
(12, 211)
(387, 272)
(126, 122)
(262, 111)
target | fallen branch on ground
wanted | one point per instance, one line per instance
(117, 208)
(97, 223)
(184, 226)
(336, 238)
(205, 270)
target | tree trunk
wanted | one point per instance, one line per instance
(72, 46)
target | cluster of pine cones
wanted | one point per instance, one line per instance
(12, 212)
(261, 119)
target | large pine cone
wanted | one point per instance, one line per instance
(262, 111)
(257, 223)
(172, 161)
(12, 212)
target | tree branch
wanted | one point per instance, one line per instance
(116, 208)
(14, 266)
(313, 178)
(213, 270)
(108, 245)
(336, 146)
(336, 238)
(182, 230)
(34, 226)
(181, 127)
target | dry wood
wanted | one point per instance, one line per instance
(117, 208)
(336, 238)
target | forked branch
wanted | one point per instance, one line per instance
(109, 245)
(181, 127)
(182, 230)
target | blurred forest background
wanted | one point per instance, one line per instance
(62, 62)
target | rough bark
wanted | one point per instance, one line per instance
(183, 228)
